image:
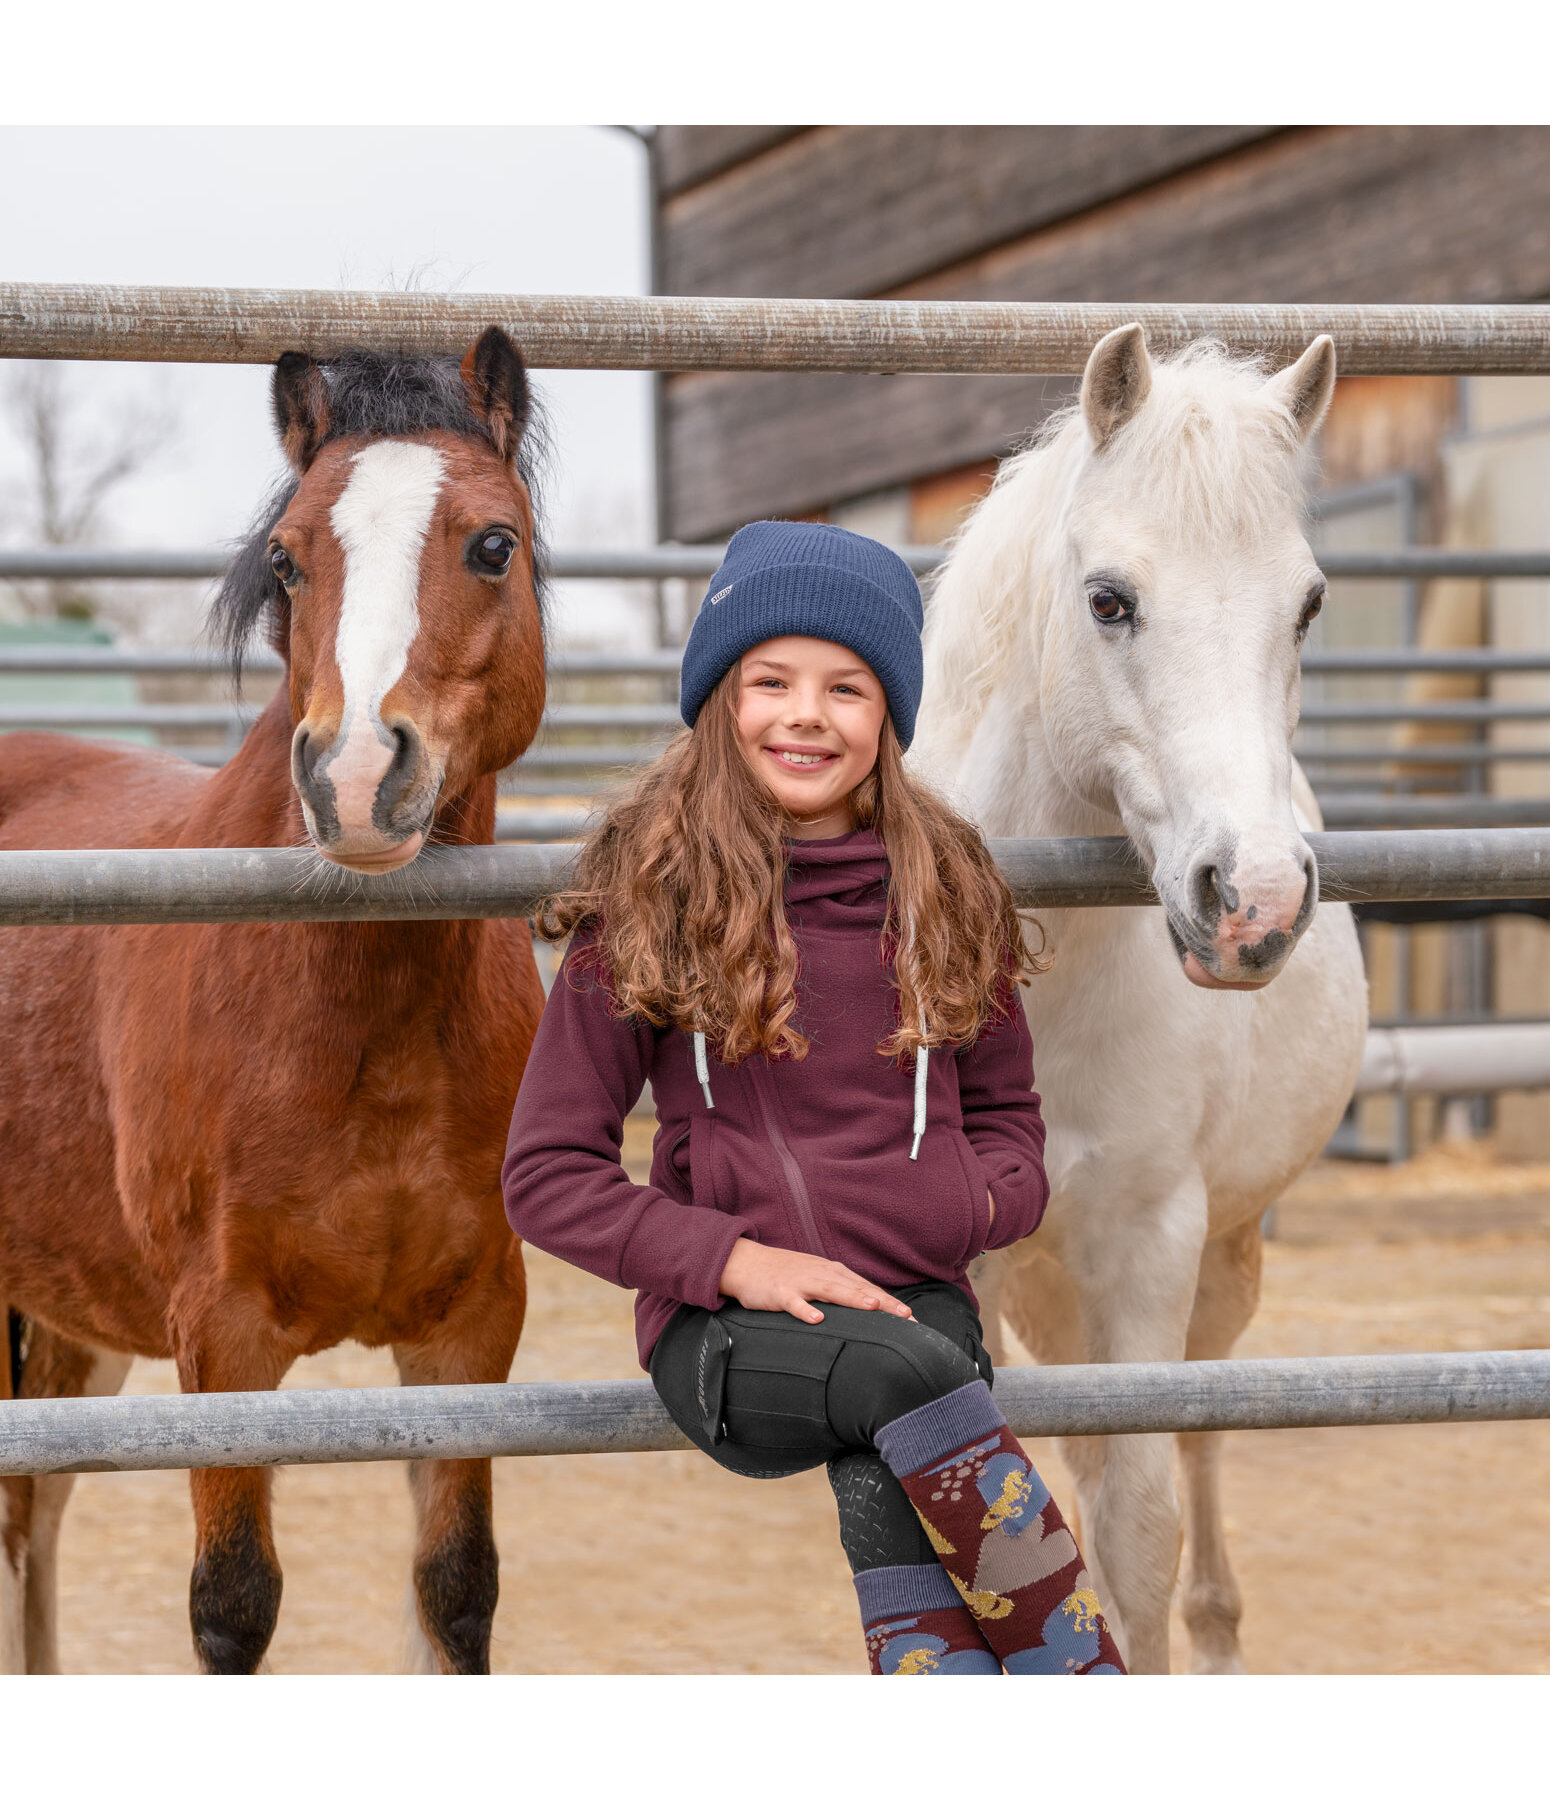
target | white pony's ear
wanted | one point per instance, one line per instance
(1117, 380)
(1308, 386)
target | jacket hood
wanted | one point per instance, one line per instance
(838, 880)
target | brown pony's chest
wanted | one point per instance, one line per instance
(324, 1121)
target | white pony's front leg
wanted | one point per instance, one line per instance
(1225, 1300)
(1137, 1289)
(15, 1498)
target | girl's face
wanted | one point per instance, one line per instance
(809, 716)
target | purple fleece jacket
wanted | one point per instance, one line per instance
(811, 1155)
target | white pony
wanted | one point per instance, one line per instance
(1112, 646)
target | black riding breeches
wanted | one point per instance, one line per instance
(764, 1394)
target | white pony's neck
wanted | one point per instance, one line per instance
(989, 601)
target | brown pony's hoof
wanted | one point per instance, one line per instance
(455, 1589)
(233, 1603)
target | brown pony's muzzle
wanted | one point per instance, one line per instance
(369, 794)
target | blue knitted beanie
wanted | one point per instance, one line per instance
(786, 580)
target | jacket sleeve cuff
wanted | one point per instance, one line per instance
(680, 1251)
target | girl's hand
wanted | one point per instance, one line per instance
(768, 1280)
(992, 1199)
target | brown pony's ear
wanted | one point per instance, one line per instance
(300, 398)
(496, 379)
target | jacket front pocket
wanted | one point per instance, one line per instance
(705, 1189)
(979, 1197)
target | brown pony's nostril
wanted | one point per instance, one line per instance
(402, 777)
(319, 796)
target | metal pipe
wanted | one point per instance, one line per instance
(693, 562)
(592, 331)
(63, 887)
(1432, 712)
(184, 716)
(1455, 1059)
(1373, 812)
(110, 659)
(330, 1425)
(659, 715)
(1425, 662)
(539, 824)
(1424, 753)
(1361, 813)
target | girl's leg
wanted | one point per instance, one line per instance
(999, 1535)
(767, 1395)
(916, 1622)
(752, 1391)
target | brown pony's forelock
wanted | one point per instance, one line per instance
(369, 396)
(681, 888)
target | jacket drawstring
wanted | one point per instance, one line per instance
(702, 1069)
(922, 1060)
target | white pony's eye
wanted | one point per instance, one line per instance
(1311, 609)
(1109, 605)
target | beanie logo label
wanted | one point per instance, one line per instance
(716, 599)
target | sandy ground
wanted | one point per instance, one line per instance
(1399, 1549)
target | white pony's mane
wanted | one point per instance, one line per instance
(1210, 450)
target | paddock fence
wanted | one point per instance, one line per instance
(576, 1418)
(121, 887)
(581, 769)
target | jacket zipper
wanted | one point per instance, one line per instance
(796, 1181)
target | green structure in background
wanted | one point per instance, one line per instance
(86, 688)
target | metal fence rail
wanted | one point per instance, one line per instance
(77, 887)
(590, 331)
(574, 1418)
(111, 659)
(697, 562)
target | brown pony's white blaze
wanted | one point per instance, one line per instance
(390, 542)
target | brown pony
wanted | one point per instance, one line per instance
(236, 1145)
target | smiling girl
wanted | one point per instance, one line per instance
(814, 963)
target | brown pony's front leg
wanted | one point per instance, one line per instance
(234, 1593)
(456, 1580)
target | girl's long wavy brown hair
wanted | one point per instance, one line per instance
(683, 885)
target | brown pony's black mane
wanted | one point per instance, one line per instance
(373, 396)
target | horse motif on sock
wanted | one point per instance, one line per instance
(983, 1603)
(1082, 1608)
(1016, 1490)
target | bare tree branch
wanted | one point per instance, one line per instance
(73, 466)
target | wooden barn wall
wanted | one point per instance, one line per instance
(687, 154)
(1352, 213)
(844, 211)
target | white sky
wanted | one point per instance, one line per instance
(517, 209)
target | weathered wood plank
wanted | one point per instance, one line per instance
(755, 447)
(1362, 214)
(689, 153)
(850, 210)
(1370, 214)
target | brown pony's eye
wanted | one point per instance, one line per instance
(491, 552)
(284, 568)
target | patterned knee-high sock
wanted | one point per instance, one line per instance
(917, 1624)
(1000, 1536)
